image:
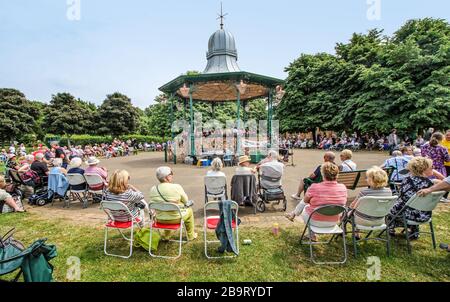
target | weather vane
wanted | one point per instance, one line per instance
(221, 16)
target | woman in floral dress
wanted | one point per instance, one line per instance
(421, 169)
(437, 153)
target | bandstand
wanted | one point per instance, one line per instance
(222, 81)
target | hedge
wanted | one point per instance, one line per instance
(96, 139)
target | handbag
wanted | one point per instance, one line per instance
(142, 239)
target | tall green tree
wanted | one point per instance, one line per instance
(67, 116)
(17, 115)
(373, 83)
(117, 115)
(312, 93)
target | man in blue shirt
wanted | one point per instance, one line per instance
(399, 163)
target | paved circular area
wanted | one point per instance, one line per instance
(142, 169)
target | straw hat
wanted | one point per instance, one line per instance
(243, 159)
(92, 161)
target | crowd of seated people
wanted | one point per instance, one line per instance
(116, 148)
(418, 171)
(339, 142)
(415, 171)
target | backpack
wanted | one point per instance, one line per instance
(31, 177)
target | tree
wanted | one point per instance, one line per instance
(373, 83)
(117, 115)
(67, 116)
(17, 115)
(39, 127)
(312, 91)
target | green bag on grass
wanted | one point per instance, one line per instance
(142, 238)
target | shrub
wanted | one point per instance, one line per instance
(85, 139)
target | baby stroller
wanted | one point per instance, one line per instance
(269, 188)
(31, 262)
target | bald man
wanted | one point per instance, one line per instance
(315, 177)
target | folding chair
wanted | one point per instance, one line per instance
(110, 208)
(211, 222)
(228, 160)
(96, 185)
(396, 187)
(60, 182)
(15, 177)
(215, 188)
(327, 210)
(76, 180)
(376, 208)
(426, 204)
(154, 224)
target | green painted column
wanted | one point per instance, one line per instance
(269, 119)
(238, 121)
(191, 107)
(171, 129)
(245, 111)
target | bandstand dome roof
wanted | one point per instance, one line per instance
(217, 83)
(222, 53)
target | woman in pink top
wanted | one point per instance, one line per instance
(92, 168)
(328, 192)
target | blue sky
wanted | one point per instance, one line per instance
(137, 46)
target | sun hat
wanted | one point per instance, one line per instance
(92, 161)
(243, 159)
(11, 155)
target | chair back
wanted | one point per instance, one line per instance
(164, 207)
(427, 203)
(270, 177)
(14, 175)
(329, 210)
(114, 209)
(215, 185)
(93, 179)
(214, 206)
(76, 179)
(374, 206)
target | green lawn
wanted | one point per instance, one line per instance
(269, 258)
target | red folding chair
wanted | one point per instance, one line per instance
(154, 224)
(211, 222)
(112, 208)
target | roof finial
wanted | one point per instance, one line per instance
(221, 16)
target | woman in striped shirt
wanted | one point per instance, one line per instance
(120, 190)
